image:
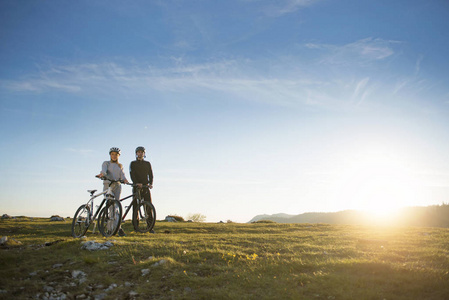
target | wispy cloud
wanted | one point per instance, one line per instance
(279, 82)
(228, 79)
(39, 85)
(360, 91)
(400, 85)
(360, 52)
(418, 65)
(280, 8)
(232, 78)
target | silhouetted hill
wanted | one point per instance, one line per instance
(281, 217)
(432, 216)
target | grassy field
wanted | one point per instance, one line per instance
(225, 261)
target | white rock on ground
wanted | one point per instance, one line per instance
(94, 246)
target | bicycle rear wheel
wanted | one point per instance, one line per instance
(81, 221)
(110, 218)
(144, 217)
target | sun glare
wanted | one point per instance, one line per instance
(377, 182)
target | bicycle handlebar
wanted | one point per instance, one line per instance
(135, 184)
(122, 182)
(111, 180)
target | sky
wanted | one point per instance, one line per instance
(245, 107)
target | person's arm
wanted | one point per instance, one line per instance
(132, 172)
(104, 169)
(150, 176)
(123, 176)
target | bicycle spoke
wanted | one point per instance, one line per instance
(81, 221)
(144, 217)
(109, 219)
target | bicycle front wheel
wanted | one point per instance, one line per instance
(110, 218)
(144, 217)
(81, 221)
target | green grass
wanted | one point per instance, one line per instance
(228, 261)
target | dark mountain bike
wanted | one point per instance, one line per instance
(144, 213)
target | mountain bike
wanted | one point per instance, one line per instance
(144, 213)
(109, 213)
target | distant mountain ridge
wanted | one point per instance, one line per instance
(432, 216)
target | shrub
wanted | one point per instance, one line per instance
(264, 221)
(197, 217)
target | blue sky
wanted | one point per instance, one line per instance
(246, 107)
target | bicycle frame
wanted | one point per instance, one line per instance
(137, 194)
(90, 204)
(144, 213)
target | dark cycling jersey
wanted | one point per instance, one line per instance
(141, 172)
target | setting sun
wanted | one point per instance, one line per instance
(377, 182)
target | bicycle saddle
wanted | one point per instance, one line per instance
(91, 192)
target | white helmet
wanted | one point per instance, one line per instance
(114, 149)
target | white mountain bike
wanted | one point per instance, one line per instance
(108, 213)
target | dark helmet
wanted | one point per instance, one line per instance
(114, 149)
(140, 148)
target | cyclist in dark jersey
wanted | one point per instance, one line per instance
(142, 174)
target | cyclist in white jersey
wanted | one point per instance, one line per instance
(112, 169)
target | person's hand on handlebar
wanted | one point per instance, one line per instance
(102, 176)
(140, 185)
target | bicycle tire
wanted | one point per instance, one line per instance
(81, 221)
(110, 218)
(144, 217)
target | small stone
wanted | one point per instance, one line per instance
(93, 246)
(170, 219)
(100, 296)
(111, 287)
(78, 274)
(133, 294)
(145, 272)
(108, 244)
(55, 266)
(61, 296)
(48, 288)
(161, 262)
(3, 240)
